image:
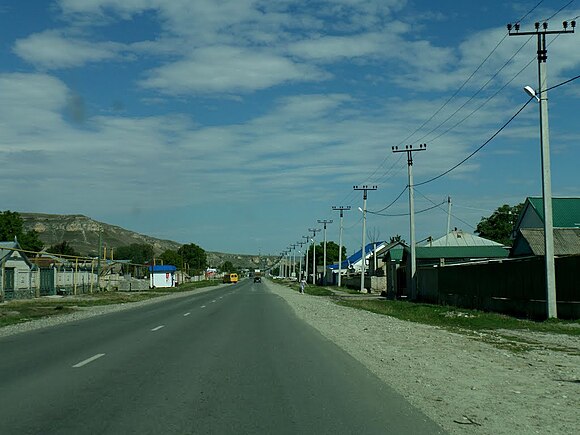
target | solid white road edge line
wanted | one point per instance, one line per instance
(88, 360)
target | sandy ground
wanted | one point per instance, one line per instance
(465, 384)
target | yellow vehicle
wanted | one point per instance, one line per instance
(230, 278)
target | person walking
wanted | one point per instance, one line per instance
(302, 285)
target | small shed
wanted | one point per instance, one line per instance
(162, 276)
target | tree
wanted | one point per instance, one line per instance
(499, 226)
(227, 267)
(331, 253)
(63, 248)
(136, 252)
(12, 225)
(172, 258)
(194, 256)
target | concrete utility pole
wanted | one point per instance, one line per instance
(409, 150)
(306, 259)
(314, 231)
(293, 270)
(341, 209)
(542, 97)
(300, 258)
(324, 222)
(363, 250)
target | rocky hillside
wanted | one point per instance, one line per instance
(82, 233)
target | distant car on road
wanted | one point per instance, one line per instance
(257, 278)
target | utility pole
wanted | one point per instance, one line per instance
(448, 220)
(314, 231)
(341, 209)
(409, 150)
(300, 258)
(324, 222)
(365, 189)
(542, 97)
(306, 259)
(293, 270)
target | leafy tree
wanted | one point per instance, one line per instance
(331, 253)
(12, 225)
(63, 248)
(227, 267)
(194, 256)
(136, 252)
(499, 226)
(172, 258)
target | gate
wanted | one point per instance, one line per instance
(46, 282)
(9, 283)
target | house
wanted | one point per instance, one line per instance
(162, 276)
(529, 228)
(16, 272)
(456, 247)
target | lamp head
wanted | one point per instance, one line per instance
(531, 92)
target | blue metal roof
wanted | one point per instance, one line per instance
(162, 268)
(354, 258)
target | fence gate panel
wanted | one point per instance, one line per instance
(46, 282)
(9, 283)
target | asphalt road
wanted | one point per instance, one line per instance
(234, 360)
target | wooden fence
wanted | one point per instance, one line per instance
(514, 286)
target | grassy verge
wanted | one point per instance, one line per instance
(19, 311)
(459, 319)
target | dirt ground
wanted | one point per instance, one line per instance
(503, 382)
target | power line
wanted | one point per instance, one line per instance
(492, 137)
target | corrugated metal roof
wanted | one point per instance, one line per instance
(460, 238)
(566, 211)
(424, 252)
(566, 240)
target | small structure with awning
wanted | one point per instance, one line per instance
(162, 276)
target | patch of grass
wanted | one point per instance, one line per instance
(459, 319)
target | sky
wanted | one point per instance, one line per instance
(238, 124)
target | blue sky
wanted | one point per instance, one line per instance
(236, 125)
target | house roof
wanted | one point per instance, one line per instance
(162, 268)
(460, 238)
(530, 241)
(395, 254)
(7, 249)
(356, 257)
(566, 211)
(460, 252)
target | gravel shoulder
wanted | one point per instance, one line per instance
(464, 383)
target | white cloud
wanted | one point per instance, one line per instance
(228, 69)
(52, 49)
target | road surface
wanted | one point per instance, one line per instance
(234, 360)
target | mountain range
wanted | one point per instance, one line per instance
(82, 233)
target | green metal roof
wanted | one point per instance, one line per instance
(396, 253)
(566, 211)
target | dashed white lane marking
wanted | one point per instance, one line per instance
(213, 302)
(186, 314)
(88, 360)
(203, 306)
(157, 328)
